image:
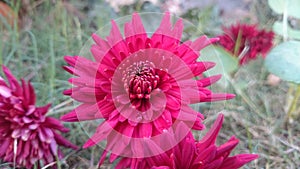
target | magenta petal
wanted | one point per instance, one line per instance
(219, 97)
(82, 113)
(62, 141)
(202, 42)
(207, 155)
(3, 146)
(55, 124)
(211, 135)
(115, 34)
(214, 164)
(97, 52)
(102, 158)
(145, 130)
(165, 25)
(14, 84)
(238, 161)
(161, 167)
(199, 67)
(53, 147)
(198, 125)
(225, 149)
(68, 92)
(71, 70)
(70, 117)
(5, 91)
(124, 162)
(71, 60)
(102, 132)
(44, 109)
(135, 27)
(188, 148)
(208, 81)
(178, 29)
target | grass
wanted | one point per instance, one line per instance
(35, 51)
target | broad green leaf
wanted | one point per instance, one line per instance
(291, 7)
(284, 61)
(225, 62)
(277, 5)
(292, 33)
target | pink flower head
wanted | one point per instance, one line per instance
(140, 85)
(191, 154)
(27, 135)
(246, 41)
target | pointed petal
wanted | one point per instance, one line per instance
(13, 82)
(102, 158)
(225, 149)
(208, 81)
(83, 112)
(211, 136)
(115, 35)
(202, 42)
(102, 132)
(64, 142)
(199, 67)
(55, 124)
(238, 161)
(98, 53)
(218, 97)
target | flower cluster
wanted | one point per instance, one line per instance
(246, 41)
(27, 136)
(142, 86)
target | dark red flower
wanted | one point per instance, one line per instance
(191, 154)
(246, 41)
(27, 136)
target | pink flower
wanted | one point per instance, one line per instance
(140, 85)
(191, 154)
(27, 135)
(246, 41)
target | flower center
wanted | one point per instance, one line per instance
(139, 80)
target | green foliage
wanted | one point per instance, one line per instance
(291, 7)
(278, 29)
(225, 62)
(284, 61)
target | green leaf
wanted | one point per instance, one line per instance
(291, 7)
(284, 61)
(225, 62)
(292, 33)
(277, 5)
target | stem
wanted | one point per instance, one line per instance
(289, 94)
(58, 164)
(285, 21)
(246, 99)
(1, 49)
(51, 68)
(237, 44)
(293, 106)
(249, 139)
(15, 152)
